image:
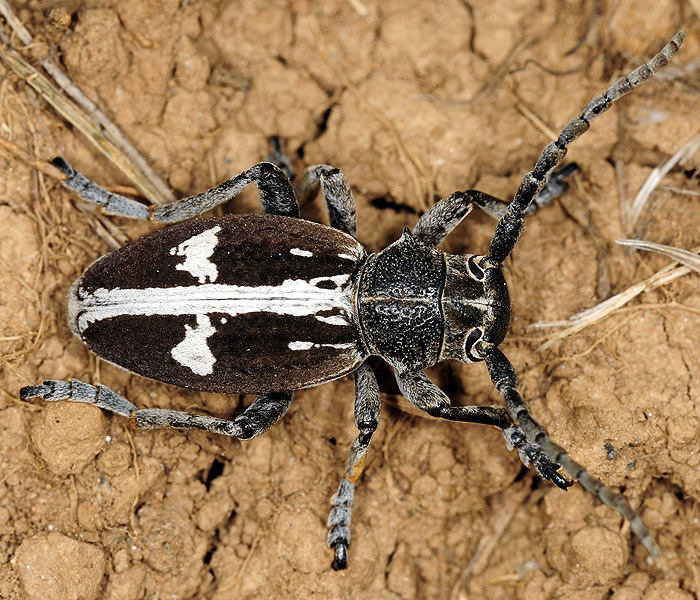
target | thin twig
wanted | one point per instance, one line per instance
(360, 8)
(532, 117)
(230, 585)
(416, 170)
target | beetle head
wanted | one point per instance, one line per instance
(476, 306)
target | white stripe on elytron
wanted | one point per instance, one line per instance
(193, 352)
(197, 251)
(294, 297)
(333, 319)
(300, 252)
(309, 345)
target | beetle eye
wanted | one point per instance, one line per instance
(476, 271)
(473, 337)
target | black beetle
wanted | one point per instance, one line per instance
(270, 303)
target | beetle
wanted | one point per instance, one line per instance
(269, 303)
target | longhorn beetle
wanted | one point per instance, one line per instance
(267, 304)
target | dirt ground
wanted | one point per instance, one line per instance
(412, 100)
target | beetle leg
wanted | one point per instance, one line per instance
(425, 395)
(77, 391)
(531, 455)
(367, 408)
(441, 218)
(336, 192)
(276, 195)
(265, 411)
(554, 187)
(505, 380)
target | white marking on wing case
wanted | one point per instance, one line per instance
(300, 345)
(294, 297)
(197, 251)
(333, 319)
(193, 352)
(309, 345)
(300, 252)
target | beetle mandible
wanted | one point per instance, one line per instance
(267, 304)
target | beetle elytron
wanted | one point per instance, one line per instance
(267, 304)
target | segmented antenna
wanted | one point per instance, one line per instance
(510, 226)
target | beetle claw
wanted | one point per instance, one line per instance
(552, 471)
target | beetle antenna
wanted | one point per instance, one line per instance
(510, 226)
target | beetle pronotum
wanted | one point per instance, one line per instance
(267, 304)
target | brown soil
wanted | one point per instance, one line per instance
(412, 100)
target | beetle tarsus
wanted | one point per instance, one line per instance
(554, 187)
(63, 165)
(78, 391)
(35, 391)
(532, 455)
(551, 471)
(504, 379)
(340, 562)
(339, 522)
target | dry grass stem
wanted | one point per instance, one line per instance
(596, 313)
(532, 117)
(680, 191)
(24, 156)
(631, 217)
(685, 257)
(83, 114)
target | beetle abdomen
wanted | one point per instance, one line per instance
(229, 304)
